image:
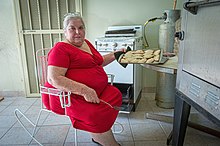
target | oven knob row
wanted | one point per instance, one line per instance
(105, 45)
(124, 45)
(114, 45)
(100, 44)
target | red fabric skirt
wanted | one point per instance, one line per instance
(96, 118)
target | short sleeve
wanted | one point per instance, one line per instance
(58, 56)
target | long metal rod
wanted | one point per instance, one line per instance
(54, 31)
(58, 18)
(41, 40)
(49, 22)
(40, 23)
(78, 6)
(29, 14)
(32, 38)
(67, 6)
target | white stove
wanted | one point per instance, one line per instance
(129, 77)
(109, 44)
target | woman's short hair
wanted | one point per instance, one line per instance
(69, 16)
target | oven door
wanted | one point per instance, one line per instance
(201, 44)
(199, 65)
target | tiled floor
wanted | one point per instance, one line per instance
(138, 131)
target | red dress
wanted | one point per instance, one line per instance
(87, 69)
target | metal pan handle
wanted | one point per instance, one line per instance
(193, 7)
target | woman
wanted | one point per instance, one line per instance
(75, 65)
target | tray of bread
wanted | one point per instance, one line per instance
(141, 56)
(147, 56)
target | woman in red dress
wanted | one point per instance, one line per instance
(75, 65)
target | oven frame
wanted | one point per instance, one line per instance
(193, 89)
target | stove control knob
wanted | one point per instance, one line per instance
(124, 45)
(100, 44)
(115, 45)
(105, 45)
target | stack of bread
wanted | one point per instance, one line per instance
(141, 56)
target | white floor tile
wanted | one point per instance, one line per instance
(52, 134)
(138, 131)
(15, 136)
(147, 131)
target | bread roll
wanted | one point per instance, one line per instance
(149, 51)
(156, 52)
(156, 57)
(151, 60)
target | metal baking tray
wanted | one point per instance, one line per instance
(120, 55)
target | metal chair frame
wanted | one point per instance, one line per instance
(64, 97)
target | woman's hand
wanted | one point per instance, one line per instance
(90, 95)
(108, 58)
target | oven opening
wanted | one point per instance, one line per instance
(127, 91)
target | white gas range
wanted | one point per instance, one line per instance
(128, 79)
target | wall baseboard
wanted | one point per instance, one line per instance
(11, 93)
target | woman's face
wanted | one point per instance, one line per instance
(75, 32)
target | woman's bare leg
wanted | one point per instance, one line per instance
(105, 139)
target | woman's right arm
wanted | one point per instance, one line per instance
(56, 77)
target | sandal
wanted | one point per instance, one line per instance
(95, 142)
(98, 143)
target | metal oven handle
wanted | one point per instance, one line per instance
(192, 7)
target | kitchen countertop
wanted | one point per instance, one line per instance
(170, 66)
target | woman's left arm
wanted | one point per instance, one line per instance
(108, 58)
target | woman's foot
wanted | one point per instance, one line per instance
(95, 142)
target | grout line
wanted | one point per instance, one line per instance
(67, 135)
(129, 123)
(163, 129)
